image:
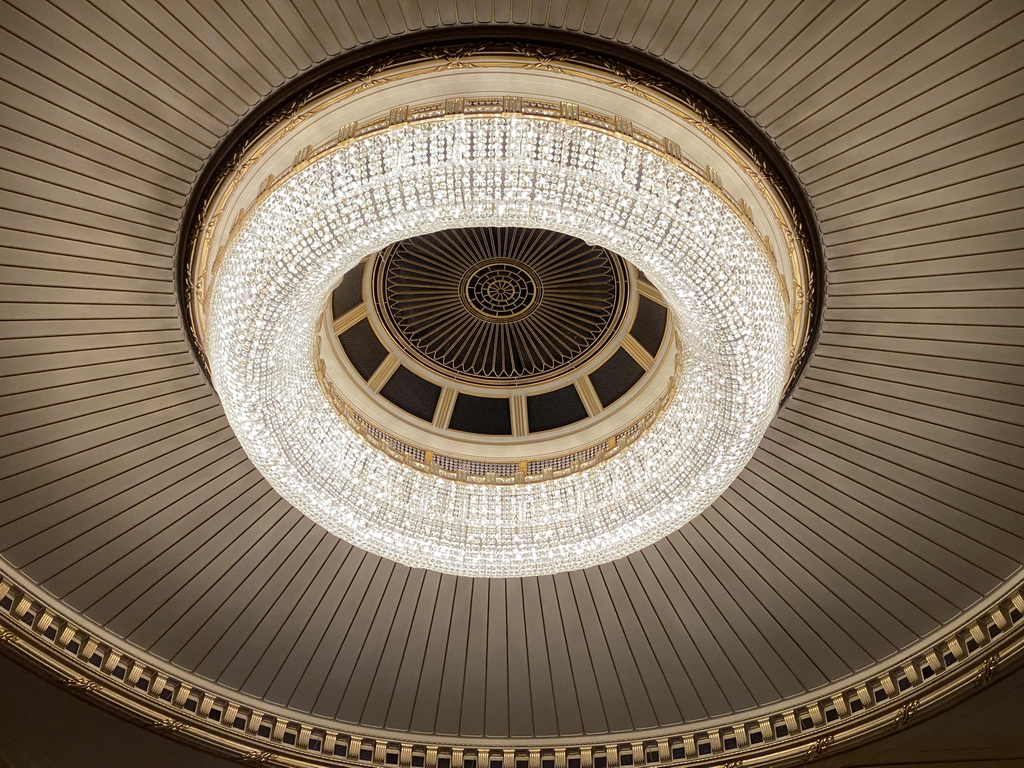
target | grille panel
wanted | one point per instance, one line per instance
(500, 306)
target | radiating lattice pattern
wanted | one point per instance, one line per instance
(501, 305)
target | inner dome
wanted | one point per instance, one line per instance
(498, 354)
(500, 306)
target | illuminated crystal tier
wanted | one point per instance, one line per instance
(362, 195)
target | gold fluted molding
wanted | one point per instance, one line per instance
(932, 675)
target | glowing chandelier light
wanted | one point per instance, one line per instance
(497, 170)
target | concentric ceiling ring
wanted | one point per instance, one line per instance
(501, 290)
(473, 534)
(360, 196)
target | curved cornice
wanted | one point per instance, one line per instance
(934, 675)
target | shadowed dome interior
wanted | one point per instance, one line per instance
(500, 306)
(487, 320)
(503, 332)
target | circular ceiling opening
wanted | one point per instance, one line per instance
(503, 289)
(498, 354)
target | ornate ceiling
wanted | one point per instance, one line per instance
(876, 535)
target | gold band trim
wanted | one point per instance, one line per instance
(135, 685)
(478, 471)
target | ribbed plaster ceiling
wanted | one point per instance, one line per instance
(884, 501)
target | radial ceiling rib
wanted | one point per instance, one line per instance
(884, 502)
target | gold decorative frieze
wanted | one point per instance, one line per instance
(498, 472)
(789, 736)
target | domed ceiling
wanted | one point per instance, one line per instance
(863, 564)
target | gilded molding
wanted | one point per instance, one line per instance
(428, 461)
(983, 646)
(258, 758)
(82, 684)
(905, 715)
(169, 726)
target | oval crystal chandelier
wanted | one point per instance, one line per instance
(497, 170)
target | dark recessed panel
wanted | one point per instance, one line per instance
(616, 377)
(349, 293)
(501, 306)
(649, 326)
(481, 415)
(412, 394)
(552, 410)
(363, 348)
